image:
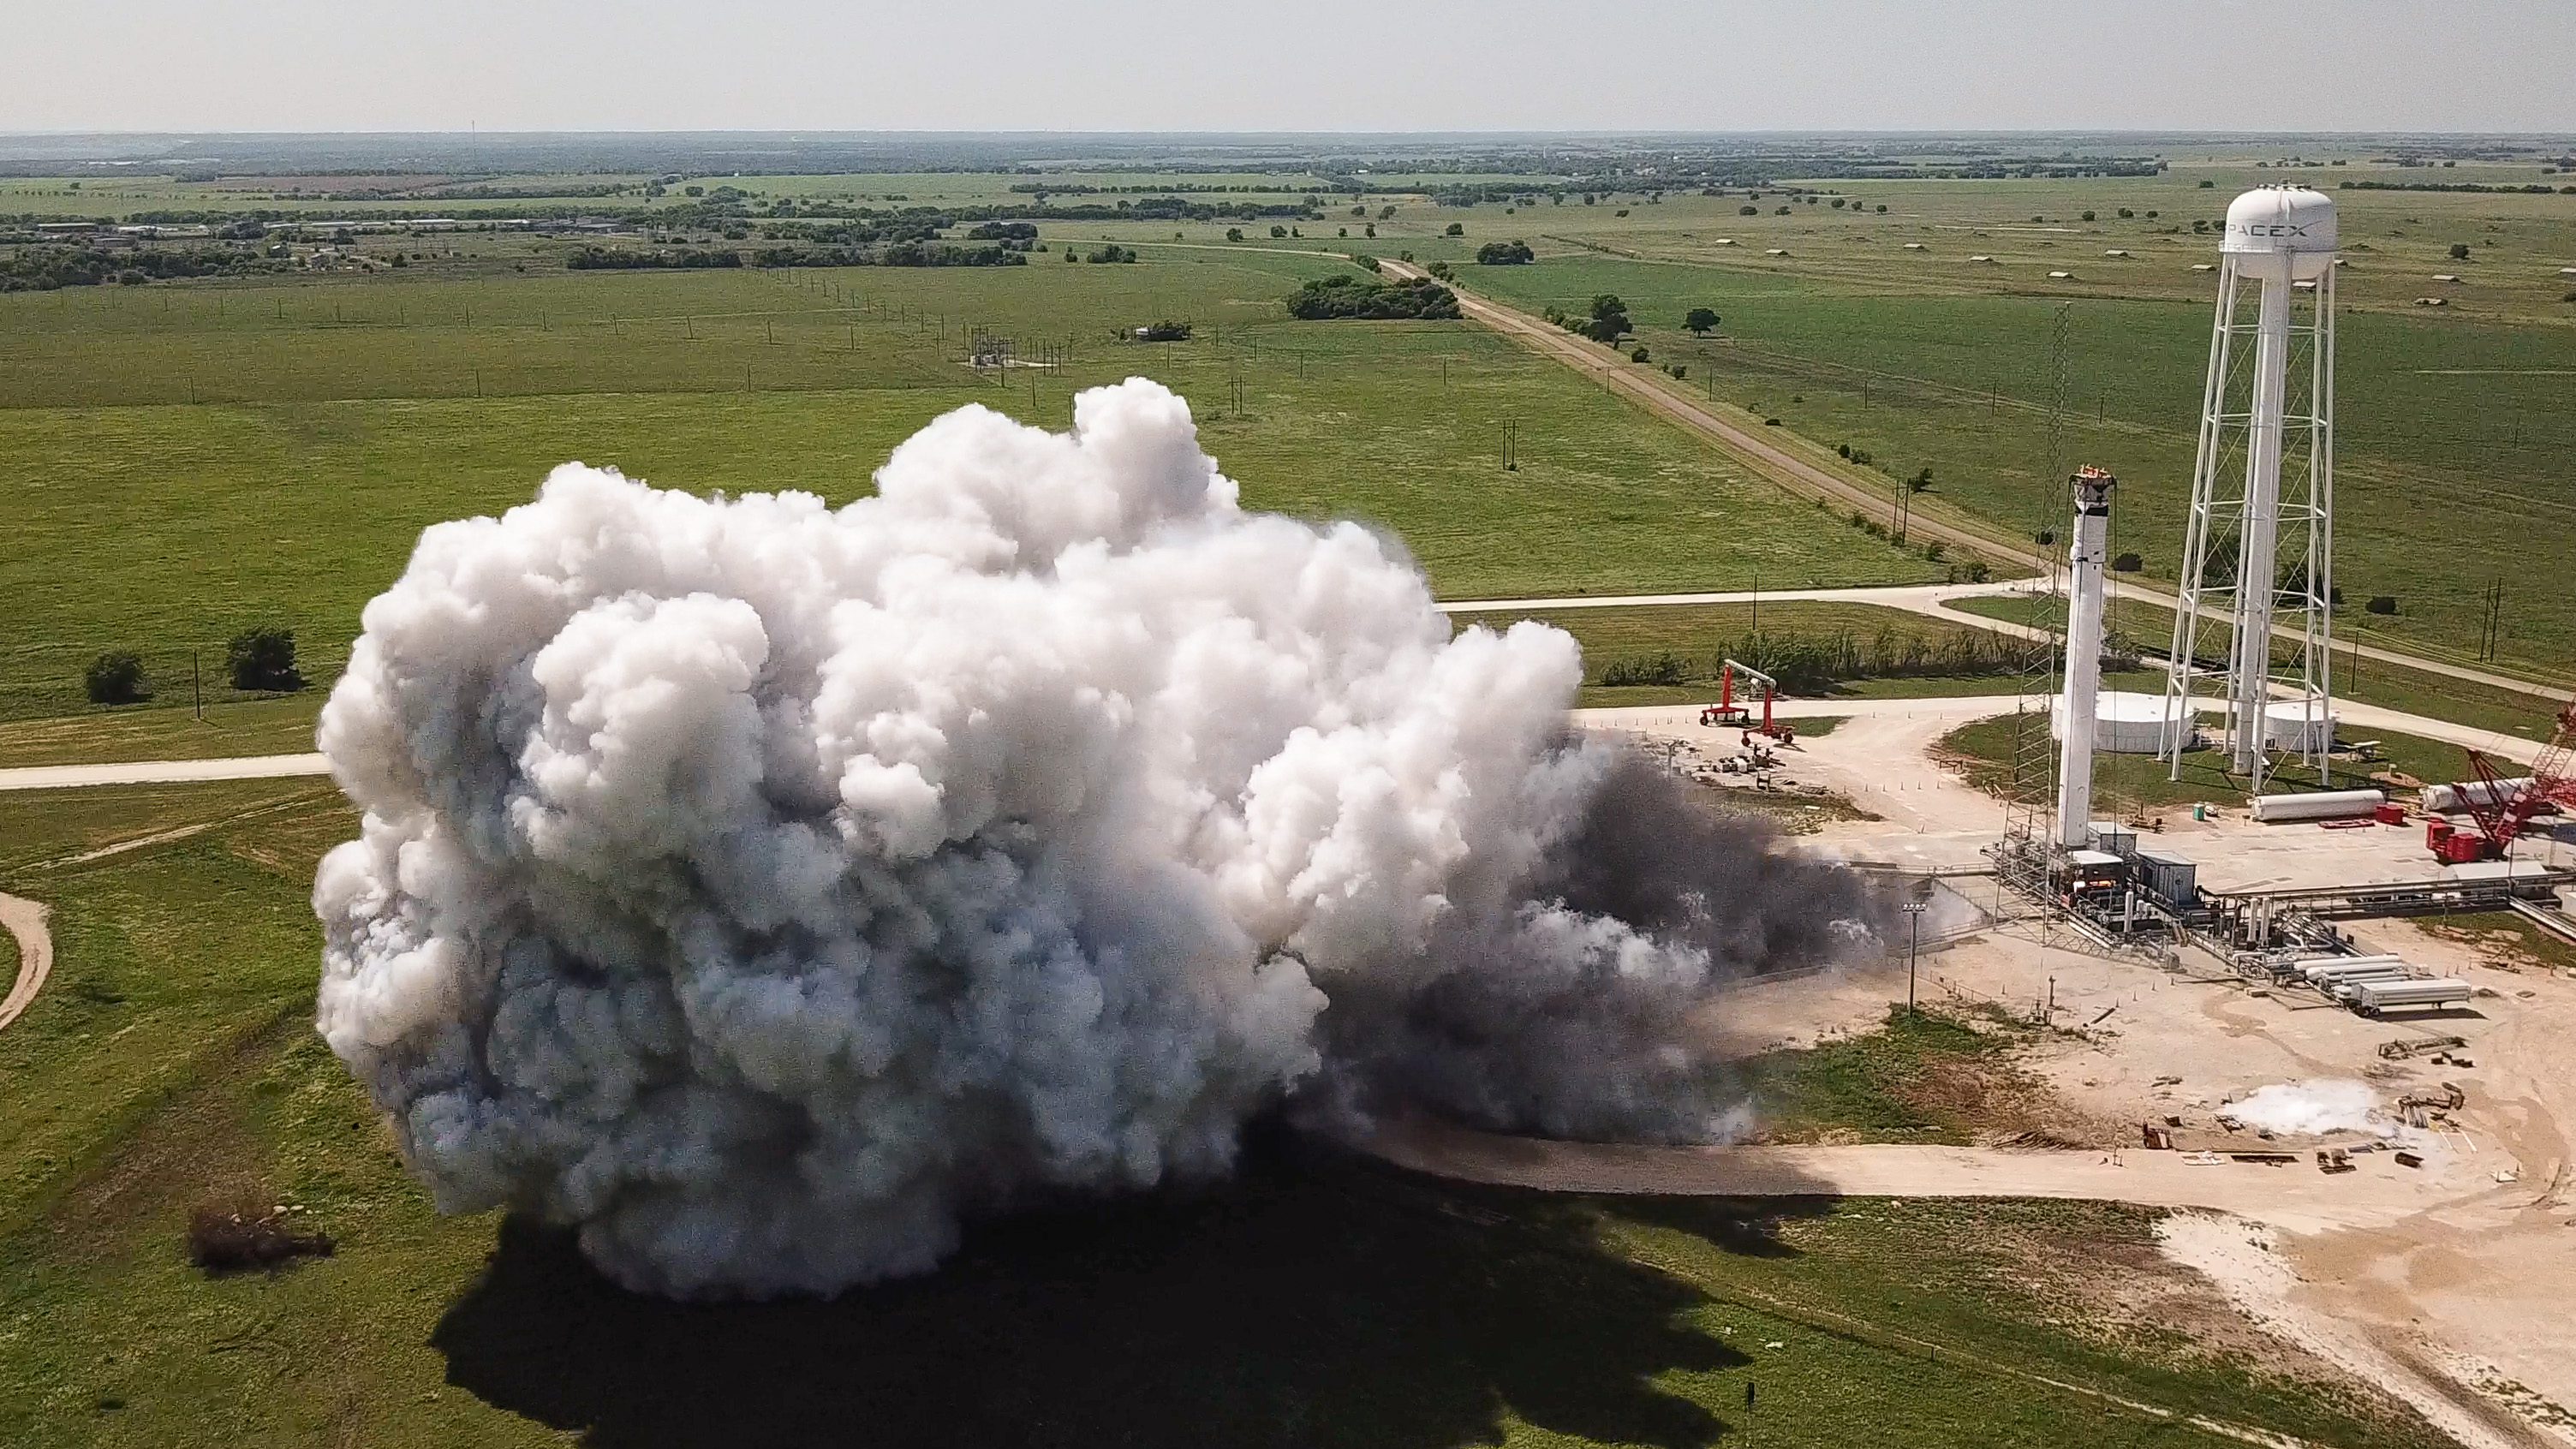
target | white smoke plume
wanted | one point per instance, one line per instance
(2324, 1104)
(761, 886)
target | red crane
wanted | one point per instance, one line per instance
(1727, 712)
(2501, 811)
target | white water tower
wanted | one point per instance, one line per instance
(2259, 547)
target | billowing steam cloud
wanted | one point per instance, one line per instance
(760, 886)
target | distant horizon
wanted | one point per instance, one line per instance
(1291, 133)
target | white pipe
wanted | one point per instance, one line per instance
(2084, 560)
(2317, 805)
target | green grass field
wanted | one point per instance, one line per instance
(1314, 1298)
(298, 495)
(2125, 785)
(1927, 359)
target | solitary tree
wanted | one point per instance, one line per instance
(2459, 251)
(1700, 319)
(263, 659)
(1234, 233)
(1456, 228)
(116, 677)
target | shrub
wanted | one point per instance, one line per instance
(1882, 208)
(2126, 213)
(1504, 254)
(1279, 232)
(2382, 604)
(2127, 563)
(1365, 262)
(1638, 354)
(2459, 251)
(1234, 233)
(263, 659)
(116, 677)
(1932, 551)
(1783, 211)
(1440, 270)
(1456, 228)
(1665, 668)
(1748, 211)
(1770, 422)
(1112, 253)
(1678, 370)
(2088, 216)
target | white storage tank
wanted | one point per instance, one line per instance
(2298, 726)
(2292, 221)
(2461, 794)
(2123, 723)
(2317, 805)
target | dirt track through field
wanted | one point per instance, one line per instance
(2378, 1193)
(26, 921)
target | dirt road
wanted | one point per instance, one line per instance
(2294, 1196)
(25, 919)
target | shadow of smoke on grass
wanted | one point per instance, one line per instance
(1316, 1298)
(1744, 1227)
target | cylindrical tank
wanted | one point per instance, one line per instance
(2289, 221)
(2461, 794)
(2300, 727)
(2123, 723)
(2317, 805)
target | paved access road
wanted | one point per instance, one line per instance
(164, 772)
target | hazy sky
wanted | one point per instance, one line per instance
(2286, 65)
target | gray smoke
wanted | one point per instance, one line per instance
(760, 886)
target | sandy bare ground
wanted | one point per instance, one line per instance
(25, 920)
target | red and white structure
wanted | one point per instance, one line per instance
(2259, 546)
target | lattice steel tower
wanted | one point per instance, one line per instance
(2259, 546)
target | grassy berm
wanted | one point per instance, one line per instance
(1313, 1298)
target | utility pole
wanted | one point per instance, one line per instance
(197, 686)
